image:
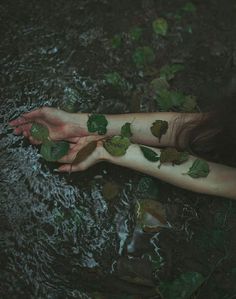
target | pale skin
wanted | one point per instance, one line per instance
(73, 128)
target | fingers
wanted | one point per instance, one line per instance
(27, 117)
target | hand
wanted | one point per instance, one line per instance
(61, 125)
(97, 155)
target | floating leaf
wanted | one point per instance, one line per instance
(110, 190)
(97, 123)
(39, 132)
(182, 287)
(200, 168)
(143, 56)
(149, 154)
(126, 130)
(86, 151)
(116, 41)
(160, 26)
(189, 7)
(117, 145)
(150, 215)
(159, 128)
(54, 150)
(167, 99)
(136, 33)
(117, 81)
(147, 188)
(189, 104)
(159, 84)
(171, 154)
(168, 72)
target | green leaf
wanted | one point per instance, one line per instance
(171, 154)
(189, 7)
(117, 145)
(182, 287)
(199, 168)
(167, 99)
(117, 81)
(149, 154)
(168, 71)
(159, 128)
(39, 132)
(189, 104)
(136, 33)
(53, 151)
(160, 26)
(159, 84)
(147, 188)
(97, 123)
(126, 130)
(116, 41)
(143, 56)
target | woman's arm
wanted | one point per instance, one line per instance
(63, 125)
(220, 181)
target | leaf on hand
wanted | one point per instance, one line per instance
(97, 123)
(86, 151)
(117, 145)
(160, 26)
(199, 168)
(126, 130)
(168, 72)
(182, 287)
(159, 128)
(143, 56)
(54, 150)
(149, 154)
(39, 132)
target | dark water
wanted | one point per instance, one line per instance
(59, 236)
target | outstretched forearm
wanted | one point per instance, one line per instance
(220, 181)
(141, 124)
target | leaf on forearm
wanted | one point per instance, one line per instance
(86, 151)
(97, 123)
(39, 132)
(117, 145)
(172, 155)
(159, 128)
(53, 151)
(126, 130)
(149, 154)
(199, 169)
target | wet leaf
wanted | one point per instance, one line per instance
(39, 132)
(54, 150)
(117, 145)
(171, 154)
(167, 99)
(160, 26)
(189, 104)
(199, 169)
(182, 287)
(97, 123)
(150, 215)
(149, 154)
(189, 7)
(143, 56)
(126, 130)
(116, 41)
(110, 190)
(136, 33)
(159, 128)
(168, 72)
(117, 81)
(159, 84)
(86, 151)
(147, 188)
